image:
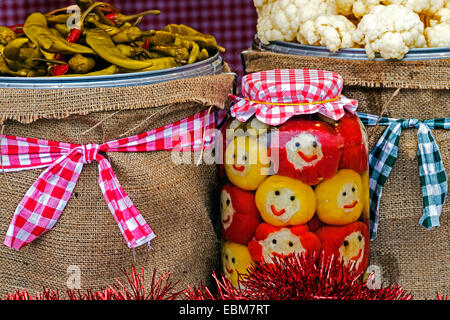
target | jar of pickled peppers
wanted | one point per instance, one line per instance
(295, 172)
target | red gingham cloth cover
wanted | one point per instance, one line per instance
(274, 96)
(232, 22)
(44, 202)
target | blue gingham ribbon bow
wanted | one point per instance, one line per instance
(433, 178)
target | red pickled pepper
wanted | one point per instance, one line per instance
(146, 44)
(74, 35)
(17, 28)
(60, 69)
(111, 17)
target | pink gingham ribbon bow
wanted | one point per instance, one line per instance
(44, 202)
(274, 96)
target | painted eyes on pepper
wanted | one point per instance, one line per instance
(244, 158)
(227, 203)
(233, 260)
(346, 242)
(314, 144)
(345, 193)
(274, 241)
(277, 193)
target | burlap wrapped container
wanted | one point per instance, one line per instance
(405, 252)
(176, 200)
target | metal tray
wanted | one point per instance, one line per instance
(346, 54)
(210, 66)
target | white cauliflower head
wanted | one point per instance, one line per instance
(439, 35)
(332, 31)
(280, 19)
(390, 30)
(358, 8)
(419, 6)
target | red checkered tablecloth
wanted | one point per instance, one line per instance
(232, 22)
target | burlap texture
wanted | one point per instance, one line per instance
(176, 200)
(405, 252)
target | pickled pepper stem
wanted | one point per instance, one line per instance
(119, 18)
(85, 4)
(59, 10)
(49, 61)
(76, 33)
(109, 9)
(87, 11)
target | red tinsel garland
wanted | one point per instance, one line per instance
(299, 277)
(296, 277)
(136, 289)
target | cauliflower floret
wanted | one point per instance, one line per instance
(419, 6)
(390, 30)
(333, 31)
(358, 8)
(441, 16)
(280, 19)
(439, 35)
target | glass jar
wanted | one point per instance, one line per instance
(299, 187)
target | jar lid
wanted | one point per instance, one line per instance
(274, 96)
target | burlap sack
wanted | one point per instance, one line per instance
(405, 252)
(176, 200)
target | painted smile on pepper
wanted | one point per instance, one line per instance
(282, 203)
(352, 249)
(276, 212)
(351, 206)
(227, 220)
(307, 158)
(238, 168)
(280, 244)
(339, 200)
(235, 260)
(303, 150)
(356, 258)
(278, 255)
(246, 162)
(226, 209)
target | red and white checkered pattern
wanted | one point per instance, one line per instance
(44, 202)
(232, 22)
(275, 96)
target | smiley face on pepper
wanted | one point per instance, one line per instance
(350, 244)
(239, 215)
(236, 259)
(246, 162)
(284, 201)
(308, 150)
(273, 241)
(340, 199)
